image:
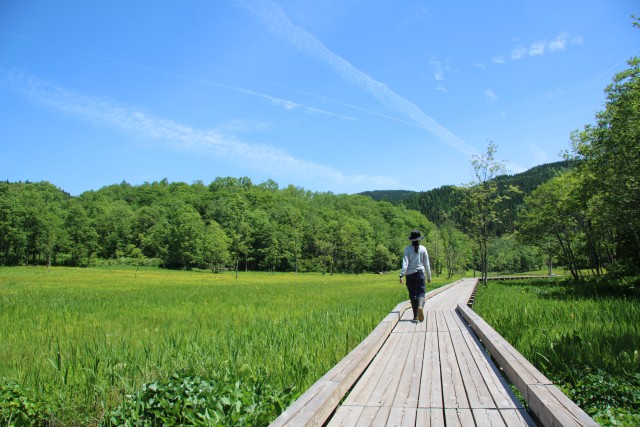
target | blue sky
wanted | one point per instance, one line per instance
(334, 95)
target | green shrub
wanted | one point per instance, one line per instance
(20, 407)
(230, 398)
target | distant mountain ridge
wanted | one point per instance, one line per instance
(443, 203)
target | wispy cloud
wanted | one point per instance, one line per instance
(498, 59)
(490, 96)
(537, 48)
(437, 69)
(173, 135)
(540, 48)
(278, 24)
(518, 53)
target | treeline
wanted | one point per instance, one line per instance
(230, 223)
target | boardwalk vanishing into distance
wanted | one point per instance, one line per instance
(434, 373)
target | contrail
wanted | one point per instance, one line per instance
(279, 25)
(172, 134)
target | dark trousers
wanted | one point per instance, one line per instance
(416, 285)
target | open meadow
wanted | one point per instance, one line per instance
(74, 342)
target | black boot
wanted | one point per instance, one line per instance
(414, 307)
(420, 309)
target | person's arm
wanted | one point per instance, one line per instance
(405, 264)
(427, 266)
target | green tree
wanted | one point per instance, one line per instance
(215, 251)
(610, 154)
(82, 235)
(554, 210)
(185, 237)
(456, 249)
(482, 201)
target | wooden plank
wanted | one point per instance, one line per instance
(406, 323)
(581, 417)
(430, 395)
(401, 416)
(430, 417)
(359, 395)
(345, 416)
(453, 391)
(553, 408)
(488, 418)
(431, 321)
(387, 387)
(312, 410)
(500, 391)
(442, 323)
(373, 416)
(459, 418)
(474, 383)
(452, 320)
(517, 417)
(409, 386)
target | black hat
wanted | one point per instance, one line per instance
(415, 236)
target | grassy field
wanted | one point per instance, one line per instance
(584, 337)
(79, 340)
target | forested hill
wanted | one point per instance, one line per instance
(444, 203)
(393, 196)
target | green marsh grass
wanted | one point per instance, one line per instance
(585, 337)
(80, 339)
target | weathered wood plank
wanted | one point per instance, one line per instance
(400, 416)
(474, 383)
(374, 416)
(430, 395)
(517, 417)
(459, 418)
(365, 387)
(453, 391)
(409, 386)
(345, 416)
(555, 409)
(500, 391)
(385, 391)
(488, 418)
(430, 417)
(432, 321)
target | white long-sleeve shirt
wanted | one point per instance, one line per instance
(413, 261)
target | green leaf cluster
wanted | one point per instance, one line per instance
(20, 407)
(230, 398)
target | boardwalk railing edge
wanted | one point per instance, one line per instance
(546, 401)
(315, 406)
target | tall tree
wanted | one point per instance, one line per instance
(482, 201)
(610, 153)
(553, 210)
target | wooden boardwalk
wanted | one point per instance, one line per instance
(434, 373)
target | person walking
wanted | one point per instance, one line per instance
(415, 265)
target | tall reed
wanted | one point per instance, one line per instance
(83, 338)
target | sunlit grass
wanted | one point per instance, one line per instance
(81, 338)
(585, 337)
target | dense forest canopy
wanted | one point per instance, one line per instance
(228, 223)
